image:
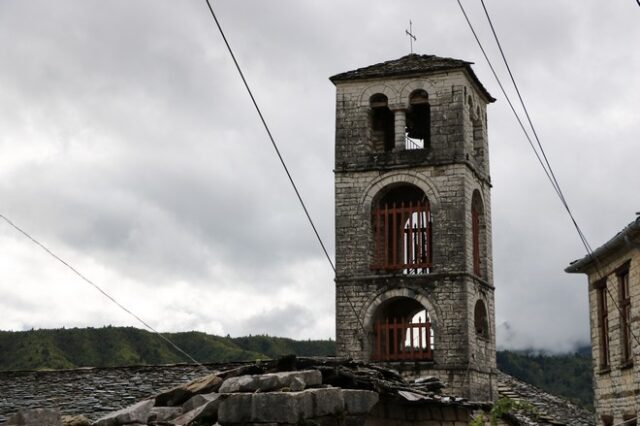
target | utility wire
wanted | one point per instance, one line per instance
(97, 287)
(282, 162)
(504, 93)
(559, 191)
(552, 175)
(544, 162)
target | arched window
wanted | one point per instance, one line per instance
(382, 123)
(480, 319)
(402, 331)
(478, 234)
(402, 231)
(418, 120)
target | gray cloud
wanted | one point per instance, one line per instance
(128, 145)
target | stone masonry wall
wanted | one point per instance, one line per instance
(617, 389)
(448, 170)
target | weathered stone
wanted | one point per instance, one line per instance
(180, 394)
(75, 421)
(36, 417)
(281, 407)
(272, 381)
(327, 401)
(297, 384)
(359, 401)
(161, 414)
(198, 400)
(137, 413)
(208, 410)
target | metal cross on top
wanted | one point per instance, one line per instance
(409, 32)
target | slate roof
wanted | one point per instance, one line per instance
(622, 238)
(548, 409)
(95, 391)
(411, 65)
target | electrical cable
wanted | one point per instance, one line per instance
(552, 175)
(104, 293)
(504, 93)
(533, 129)
(282, 162)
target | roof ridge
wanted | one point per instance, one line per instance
(412, 64)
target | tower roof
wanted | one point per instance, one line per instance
(411, 65)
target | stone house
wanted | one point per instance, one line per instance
(414, 275)
(613, 272)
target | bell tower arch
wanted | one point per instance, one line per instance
(413, 221)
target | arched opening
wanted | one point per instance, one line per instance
(418, 120)
(478, 235)
(480, 319)
(402, 231)
(382, 123)
(402, 331)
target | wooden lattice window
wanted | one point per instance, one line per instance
(403, 332)
(402, 232)
(625, 315)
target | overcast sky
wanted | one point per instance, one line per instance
(129, 147)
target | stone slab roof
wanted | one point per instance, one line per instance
(409, 65)
(96, 391)
(625, 237)
(549, 409)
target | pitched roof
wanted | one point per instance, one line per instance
(109, 389)
(622, 238)
(411, 65)
(547, 409)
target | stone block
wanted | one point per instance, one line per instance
(359, 401)
(161, 414)
(297, 380)
(327, 401)
(198, 400)
(207, 409)
(180, 394)
(75, 421)
(137, 413)
(280, 407)
(36, 417)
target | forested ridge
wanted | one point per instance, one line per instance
(567, 375)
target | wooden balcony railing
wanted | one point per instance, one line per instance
(402, 341)
(402, 237)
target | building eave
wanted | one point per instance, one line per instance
(384, 70)
(621, 239)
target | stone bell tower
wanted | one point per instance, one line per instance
(414, 280)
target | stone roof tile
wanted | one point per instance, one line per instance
(411, 65)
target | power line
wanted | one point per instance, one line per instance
(552, 175)
(504, 93)
(97, 287)
(559, 191)
(544, 162)
(282, 162)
